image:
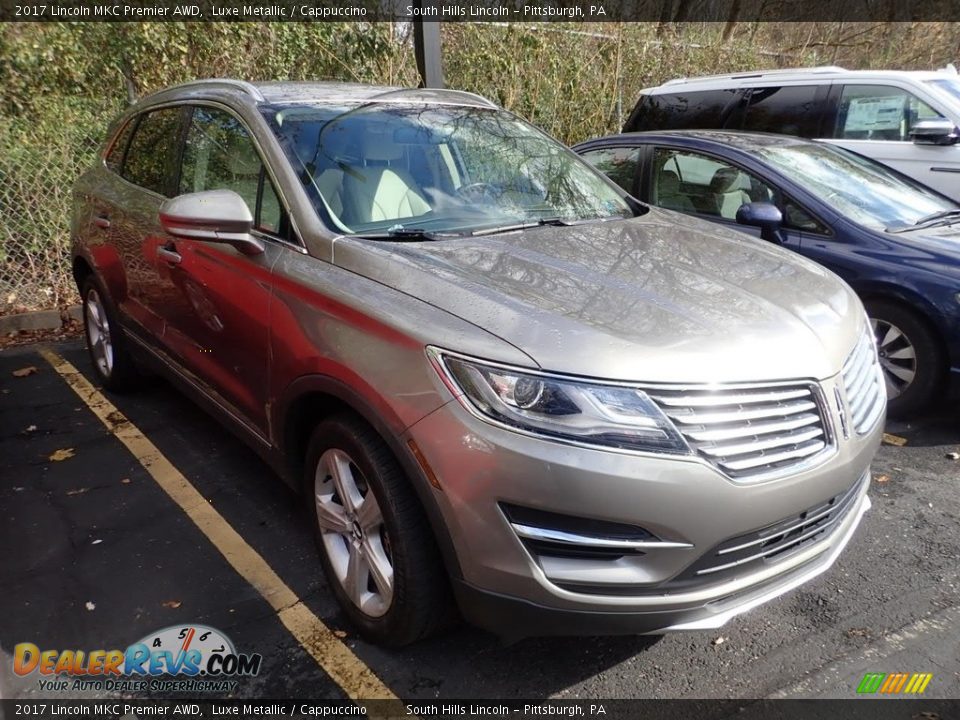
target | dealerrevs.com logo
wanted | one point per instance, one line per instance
(178, 658)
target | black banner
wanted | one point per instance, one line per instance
(854, 709)
(478, 10)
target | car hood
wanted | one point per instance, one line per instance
(660, 298)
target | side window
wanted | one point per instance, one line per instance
(149, 158)
(691, 182)
(796, 218)
(789, 110)
(219, 155)
(682, 110)
(619, 164)
(114, 158)
(879, 112)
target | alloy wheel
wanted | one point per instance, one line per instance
(898, 357)
(353, 533)
(98, 333)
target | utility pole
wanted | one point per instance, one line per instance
(426, 46)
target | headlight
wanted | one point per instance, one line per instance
(560, 407)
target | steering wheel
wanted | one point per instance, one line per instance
(480, 192)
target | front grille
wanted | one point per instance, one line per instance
(751, 432)
(863, 385)
(736, 555)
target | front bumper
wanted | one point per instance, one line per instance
(507, 588)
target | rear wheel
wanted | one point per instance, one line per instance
(910, 357)
(375, 544)
(112, 363)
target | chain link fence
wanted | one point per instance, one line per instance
(38, 166)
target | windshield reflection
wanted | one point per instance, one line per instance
(859, 188)
(428, 171)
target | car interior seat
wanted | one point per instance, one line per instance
(729, 189)
(380, 189)
(668, 194)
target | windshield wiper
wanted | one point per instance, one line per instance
(411, 234)
(553, 221)
(943, 217)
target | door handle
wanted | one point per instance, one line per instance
(101, 221)
(171, 256)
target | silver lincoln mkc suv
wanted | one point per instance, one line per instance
(501, 384)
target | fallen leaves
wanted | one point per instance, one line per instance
(340, 634)
(882, 479)
(172, 604)
(894, 440)
(858, 632)
(61, 454)
(718, 641)
(25, 371)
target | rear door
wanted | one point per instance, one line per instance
(147, 180)
(784, 109)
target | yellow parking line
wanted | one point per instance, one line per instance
(337, 660)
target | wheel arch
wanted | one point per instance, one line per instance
(911, 301)
(308, 400)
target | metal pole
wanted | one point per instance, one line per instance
(426, 44)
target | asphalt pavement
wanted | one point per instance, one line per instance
(97, 555)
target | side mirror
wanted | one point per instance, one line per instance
(934, 132)
(763, 215)
(213, 215)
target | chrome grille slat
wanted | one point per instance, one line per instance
(766, 444)
(863, 385)
(730, 416)
(763, 545)
(724, 399)
(750, 432)
(801, 451)
(753, 429)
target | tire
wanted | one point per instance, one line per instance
(112, 363)
(381, 560)
(910, 355)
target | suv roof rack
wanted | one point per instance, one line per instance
(435, 95)
(249, 88)
(821, 70)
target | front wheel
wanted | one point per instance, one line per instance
(910, 357)
(375, 543)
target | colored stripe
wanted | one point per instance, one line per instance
(337, 660)
(870, 682)
(927, 677)
(914, 681)
(891, 679)
(900, 683)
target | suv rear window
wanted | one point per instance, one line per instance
(703, 109)
(789, 110)
(148, 162)
(114, 159)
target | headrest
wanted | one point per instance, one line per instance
(723, 180)
(669, 183)
(381, 148)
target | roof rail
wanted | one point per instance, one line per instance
(249, 88)
(434, 94)
(821, 70)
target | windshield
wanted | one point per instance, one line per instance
(389, 169)
(950, 85)
(859, 188)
